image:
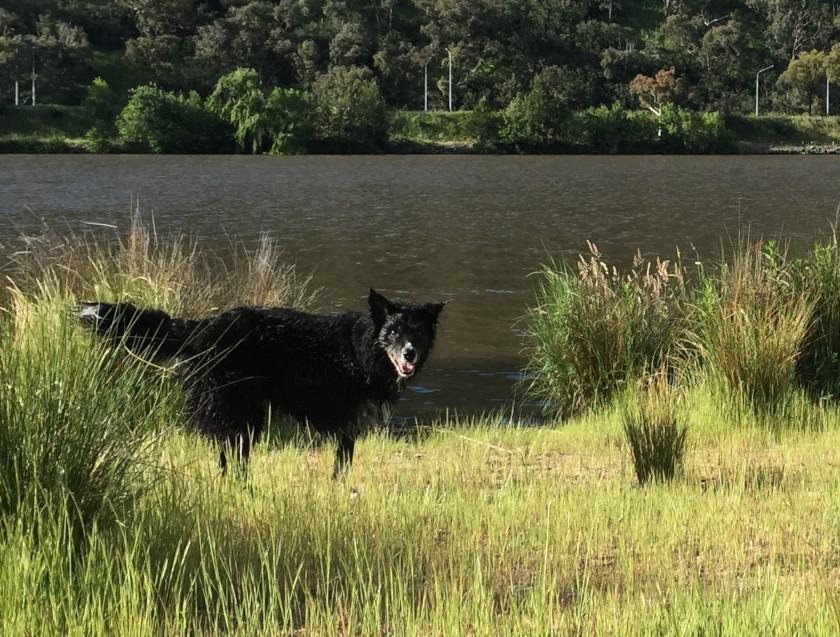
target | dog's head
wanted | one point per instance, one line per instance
(405, 332)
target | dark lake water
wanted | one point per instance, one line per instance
(465, 229)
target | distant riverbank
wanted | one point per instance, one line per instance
(66, 129)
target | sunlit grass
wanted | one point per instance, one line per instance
(470, 527)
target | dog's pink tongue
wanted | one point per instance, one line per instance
(407, 368)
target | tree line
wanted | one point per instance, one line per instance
(496, 55)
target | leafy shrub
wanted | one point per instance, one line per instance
(96, 140)
(101, 103)
(280, 123)
(685, 131)
(349, 107)
(538, 117)
(168, 123)
(484, 126)
(430, 125)
(613, 129)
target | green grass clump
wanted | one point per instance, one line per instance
(760, 331)
(750, 327)
(78, 427)
(656, 434)
(593, 333)
(79, 421)
(818, 365)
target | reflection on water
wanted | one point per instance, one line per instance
(465, 229)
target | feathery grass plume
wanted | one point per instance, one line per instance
(654, 429)
(593, 332)
(749, 326)
(172, 273)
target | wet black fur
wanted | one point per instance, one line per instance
(330, 371)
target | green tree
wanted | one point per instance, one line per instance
(795, 26)
(832, 64)
(727, 63)
(168, 123)
(804, 78)
(349, 106)
(278, 123)
(101, 102)
(62, 57)
(249, 36)
(540, 116)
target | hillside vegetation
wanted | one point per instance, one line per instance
(308, 75)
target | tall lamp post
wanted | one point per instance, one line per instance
(426, 82)
(426, 86)
(450, 78)
(766, 68)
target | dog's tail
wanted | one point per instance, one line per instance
(150, 330)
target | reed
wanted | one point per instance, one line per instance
(79, 427)
(592, 333)
(818, 366)
(654, 427)
(750, 325)
(171, 272)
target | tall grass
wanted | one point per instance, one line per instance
(753, 329)
(171, 272)
(750, 327)
(79, 421)
(593, 332)
(78, 427)
(654, 427)
(818, 365)
(473, 529)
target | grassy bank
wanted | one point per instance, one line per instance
(115, 520)
(471, 530)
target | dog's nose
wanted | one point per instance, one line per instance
(409, 353)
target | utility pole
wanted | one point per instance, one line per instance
(766, 68)
(33, 77)
(426, 86)
(450, 78)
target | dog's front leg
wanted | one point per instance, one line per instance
(343, 456)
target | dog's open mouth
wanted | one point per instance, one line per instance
(403, 367)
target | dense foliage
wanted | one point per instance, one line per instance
(588, 52)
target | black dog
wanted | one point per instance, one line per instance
(342, 374)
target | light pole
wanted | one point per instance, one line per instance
(426, 86)
(450, 78)
(766, 68)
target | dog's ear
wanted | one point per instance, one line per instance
(433, 309)
(380, 307)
